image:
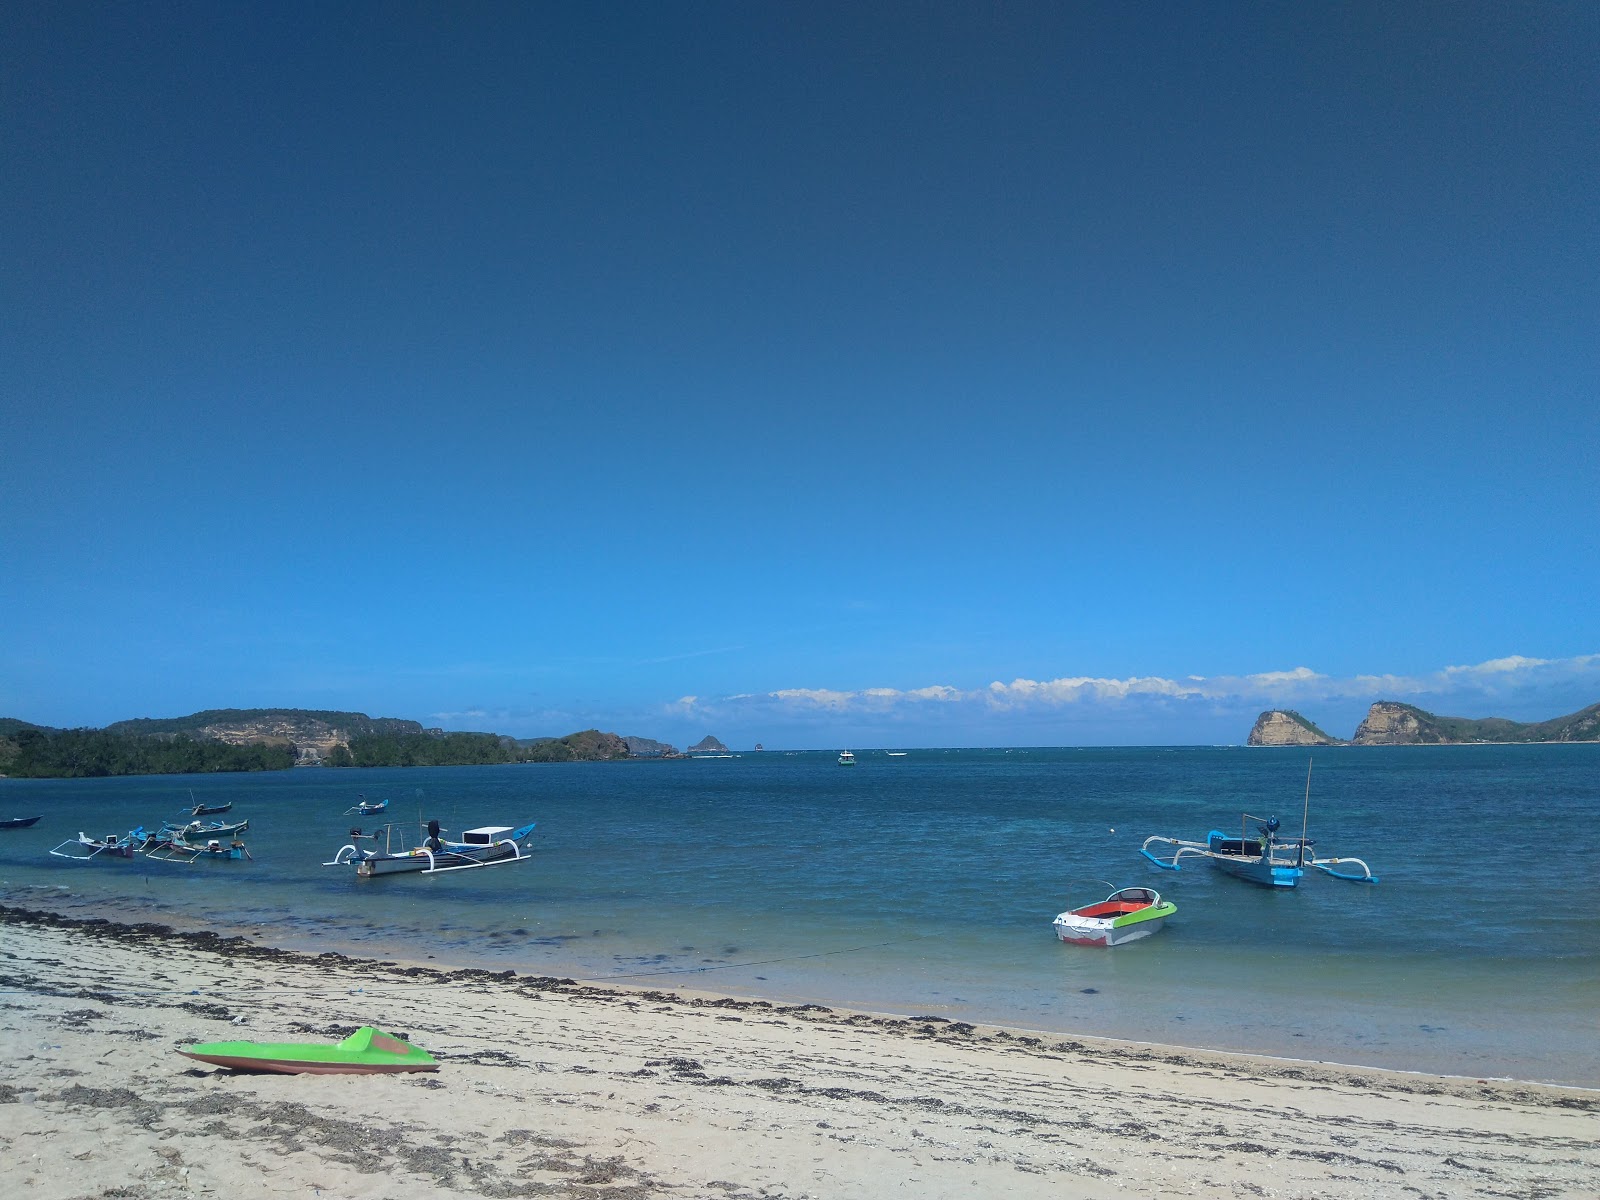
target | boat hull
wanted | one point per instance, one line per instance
(17, 822)
(1126, 916)
(1226, 855)
(368, 1051)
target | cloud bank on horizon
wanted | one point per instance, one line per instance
(1192, 701)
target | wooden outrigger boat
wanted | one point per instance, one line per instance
(487, 846)
(367, 1051)
(213, 850)
(1266, 859)
(1126, 915)
(366, 808)
(196, 831)
(83, 848)
(206, 810)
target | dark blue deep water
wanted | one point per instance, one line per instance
(927, 884)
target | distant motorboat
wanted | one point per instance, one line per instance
(366, 808)
(895, 753)
(846, 759)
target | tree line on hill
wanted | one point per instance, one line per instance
(32, 751)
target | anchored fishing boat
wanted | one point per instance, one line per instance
(367, 1051)
(366, 808)
(83, 848)
(1266, 859)
(388, 854)
(206, 810)
(847, 758)
(1126, 915)
(212, 850)
(199, 831)
(18, 822)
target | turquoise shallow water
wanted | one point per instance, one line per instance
(927, 884)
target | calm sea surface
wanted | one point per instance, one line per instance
(926, 884)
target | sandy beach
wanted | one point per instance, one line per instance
(554, 1088)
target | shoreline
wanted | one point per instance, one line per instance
(556, 1087)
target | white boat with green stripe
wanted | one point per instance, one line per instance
(1124, 916)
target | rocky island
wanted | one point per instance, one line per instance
(1390, 723)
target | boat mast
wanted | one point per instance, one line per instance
(1305, 816)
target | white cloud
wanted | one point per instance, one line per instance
(1294, 686)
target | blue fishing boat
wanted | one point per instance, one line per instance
(1267, 859)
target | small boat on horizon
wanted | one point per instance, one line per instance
(366, 808)
(846, 759)
(367, 1051)
(1126, 915)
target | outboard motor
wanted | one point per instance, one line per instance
(433, 836)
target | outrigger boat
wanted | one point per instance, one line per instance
(206, 810)
(184, 852)
(367, 1051)
(83, 847)
(366, 808)
(196, 831)
(1126, 915)
(18, 822)
(1266, 859)
(487, 846)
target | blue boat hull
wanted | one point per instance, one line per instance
(1249, 864)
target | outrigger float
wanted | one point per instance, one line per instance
(1266, 859)
(488, 846)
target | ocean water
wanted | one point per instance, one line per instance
(926, 884)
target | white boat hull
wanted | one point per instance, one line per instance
(1089, 931)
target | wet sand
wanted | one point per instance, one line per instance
(554, 1088)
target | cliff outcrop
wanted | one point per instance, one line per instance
(1285, 727)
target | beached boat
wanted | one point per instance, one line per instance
(367, 1051)
(17, 822)
(83, 848)
(213, 850)
(206, 810)
(366, 808)
(1126, 915)
(846, 759)
(388, 854)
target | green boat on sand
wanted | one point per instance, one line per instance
(367, 1051)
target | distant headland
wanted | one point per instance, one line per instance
(273, 739)
(1390, 723)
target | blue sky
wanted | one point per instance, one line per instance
(810, 375)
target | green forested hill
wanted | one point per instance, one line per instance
(272, 739)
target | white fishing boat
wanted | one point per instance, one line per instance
(384, 850)
(846, 759)
(83, 847)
